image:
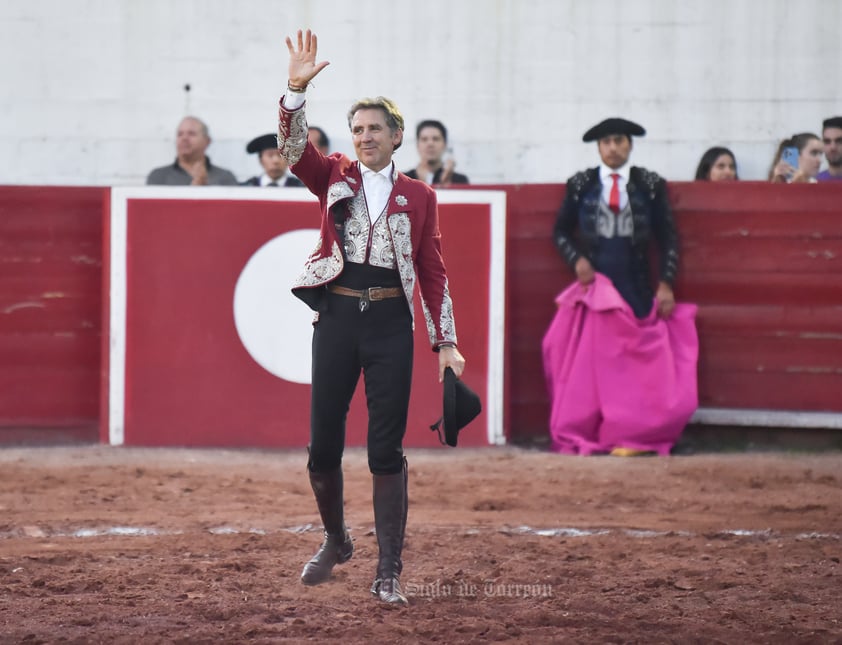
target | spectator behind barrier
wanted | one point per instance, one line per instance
(192, 167)
(717, 164)
(804, 167)
(318, 138)
(436, 163)
(832, 139)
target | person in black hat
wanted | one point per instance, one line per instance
(275, 167)
(609, 216)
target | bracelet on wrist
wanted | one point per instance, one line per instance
(296, 88)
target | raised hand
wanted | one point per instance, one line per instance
(447, 171)
(302, 59)
(199, 172)
(782, 173)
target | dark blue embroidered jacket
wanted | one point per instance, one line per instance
(576, 231)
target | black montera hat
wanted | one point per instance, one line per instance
(614, 125)
(461, 406)
(261, 143)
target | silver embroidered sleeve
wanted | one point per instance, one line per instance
(292, 135)
(446, 321)
(431, 327)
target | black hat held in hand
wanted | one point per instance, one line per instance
(461, 406)
(614, 125)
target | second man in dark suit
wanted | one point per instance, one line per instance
(611, 214)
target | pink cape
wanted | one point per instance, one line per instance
(615, 380)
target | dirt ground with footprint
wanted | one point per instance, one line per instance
(102, 544)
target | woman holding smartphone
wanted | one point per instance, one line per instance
(797, 160)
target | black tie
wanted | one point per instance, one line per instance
(273, 183)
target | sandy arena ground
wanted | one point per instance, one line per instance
(125, 545)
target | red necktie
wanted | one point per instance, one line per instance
(614, 195)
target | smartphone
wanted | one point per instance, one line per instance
(790, 156)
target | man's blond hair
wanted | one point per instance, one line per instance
(394, 118)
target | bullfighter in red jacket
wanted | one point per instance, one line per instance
(379, 238)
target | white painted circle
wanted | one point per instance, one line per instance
(273, 325)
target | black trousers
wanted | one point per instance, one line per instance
(377, 342)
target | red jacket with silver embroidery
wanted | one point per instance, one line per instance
(412, 217)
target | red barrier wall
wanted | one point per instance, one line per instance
(763, 262)
(50, 308)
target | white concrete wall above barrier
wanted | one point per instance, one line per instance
(94, 88)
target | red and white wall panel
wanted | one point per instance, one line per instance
(208, 347)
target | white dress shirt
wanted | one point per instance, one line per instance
(266, 180)
(608, 181)
(377, 187)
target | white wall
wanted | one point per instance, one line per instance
(92, 90)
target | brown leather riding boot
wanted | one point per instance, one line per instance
(390, 510)
(337, 546)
